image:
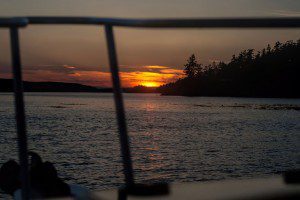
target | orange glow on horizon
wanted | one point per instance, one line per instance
(149, 79)
(148, 76)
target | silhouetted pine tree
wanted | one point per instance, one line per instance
(192, 68)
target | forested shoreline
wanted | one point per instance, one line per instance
(270, 72)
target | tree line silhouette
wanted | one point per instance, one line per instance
(271, 72)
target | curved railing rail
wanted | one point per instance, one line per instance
(14, 23)
(287, 22)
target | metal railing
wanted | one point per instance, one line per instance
(15, 23)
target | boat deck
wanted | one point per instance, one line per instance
(263, 188)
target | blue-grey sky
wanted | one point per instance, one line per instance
(78, 53)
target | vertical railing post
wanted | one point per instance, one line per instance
(19, 110)
(124, 140)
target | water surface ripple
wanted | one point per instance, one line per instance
(172, 138)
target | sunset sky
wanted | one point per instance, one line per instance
(149, 57)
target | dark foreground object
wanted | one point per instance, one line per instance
(292, 177)
(9, 177)
(44, 180)
(146, 190)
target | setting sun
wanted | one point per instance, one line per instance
(150, 84)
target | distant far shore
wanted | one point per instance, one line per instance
(171, 95)
(6, 85)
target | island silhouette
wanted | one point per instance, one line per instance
(271, 72)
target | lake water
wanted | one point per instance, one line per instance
(173, 139)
